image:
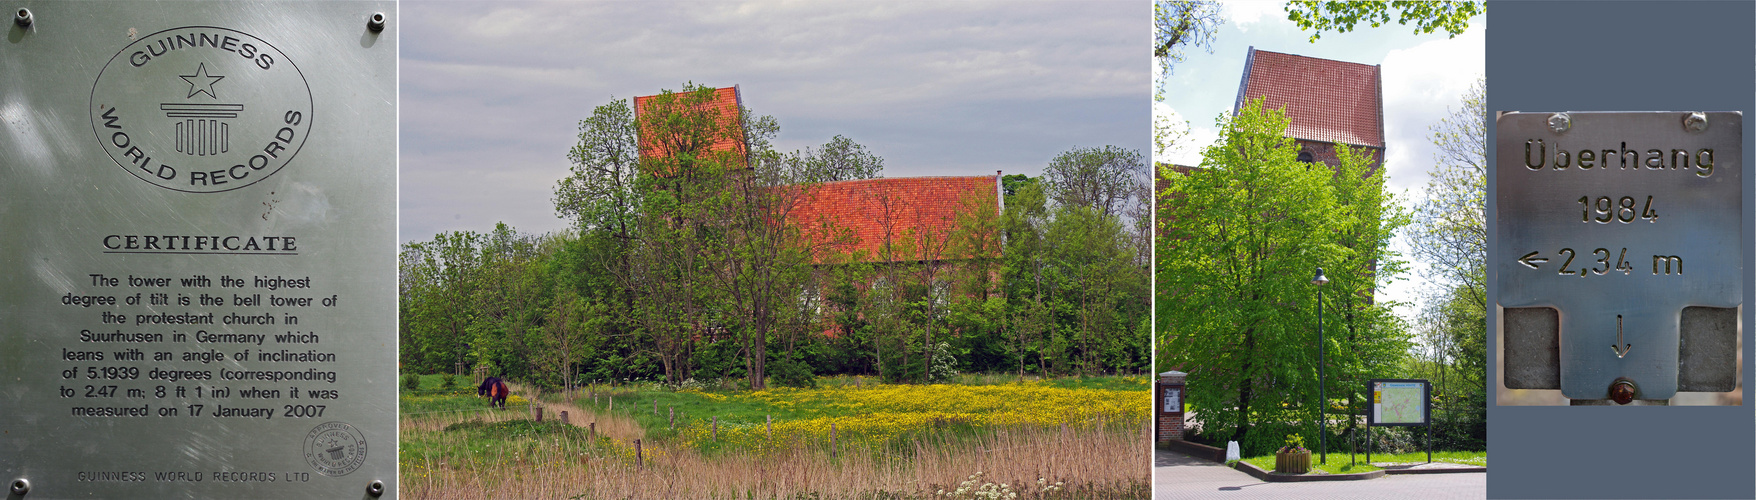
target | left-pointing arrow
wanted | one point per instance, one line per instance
(1531, 260)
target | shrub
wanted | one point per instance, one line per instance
(1294, 442)
(944, 365)
(411, 381)
(448, 381)
(789, 372)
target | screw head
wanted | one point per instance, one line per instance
(1695, 122)
(22, 18)
(376, 22)
(1560, 122)
(20, 486)
(375, 489)
(1622, 391)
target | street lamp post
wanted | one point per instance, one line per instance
(1323, 402)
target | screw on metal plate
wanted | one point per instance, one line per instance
(1560, 122)
(23, 18)
(375, 489)
(1623, 391)
(20, 486)
(376, 22)
(1695, 122)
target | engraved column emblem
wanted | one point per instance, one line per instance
(199, 130)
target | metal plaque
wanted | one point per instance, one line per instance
(1619, 220)
(198, 250)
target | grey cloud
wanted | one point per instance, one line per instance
(492, 92)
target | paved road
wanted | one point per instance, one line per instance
(1177, 476)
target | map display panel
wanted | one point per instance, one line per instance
(1399, 402)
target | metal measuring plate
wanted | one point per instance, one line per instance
(1619, 220)
(198, 250)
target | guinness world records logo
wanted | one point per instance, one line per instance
(335, 449)
(201, 109)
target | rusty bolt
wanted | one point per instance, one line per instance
(1695, 122)
(1622, 391)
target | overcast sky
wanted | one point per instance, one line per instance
(1425, 77)
(492, 92)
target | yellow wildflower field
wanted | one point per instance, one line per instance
(879, 414)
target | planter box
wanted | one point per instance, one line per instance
(1292, 461)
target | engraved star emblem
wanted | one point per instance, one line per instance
(201, 82)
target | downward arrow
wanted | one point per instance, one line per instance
(1531, 260)
(1620, 348)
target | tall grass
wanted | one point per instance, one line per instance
(502, 454)
(1093, 463)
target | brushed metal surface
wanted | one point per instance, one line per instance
(1697, 221)
(318, 210)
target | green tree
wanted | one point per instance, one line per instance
(1451, 237)
(1105, 180)
(1028, 320)
(684, 179)
(1243, 236)
(977, 308)
(1182, 23)
(441, 278)
(513, 289)
(842, 159)
(1341, 17)
(1099, 290)
(697, 224)
(599, 192)
(601, 196)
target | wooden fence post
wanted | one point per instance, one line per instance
(594, 431)
(770, 427)
(673, 416)
(715, 427)
(564, 417)
(832, 440)
(539, 413)
(639, 461)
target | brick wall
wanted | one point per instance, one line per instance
(1170, 427)
(1324, 152)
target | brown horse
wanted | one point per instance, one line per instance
(496, 390)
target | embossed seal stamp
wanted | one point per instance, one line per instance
(335, 449)
(201, 109)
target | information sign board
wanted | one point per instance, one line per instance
(1397, 402)
(1619, 220)
(198, 267)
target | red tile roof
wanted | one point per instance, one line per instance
(726, 101)
(873, 209)
(1325, 100)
